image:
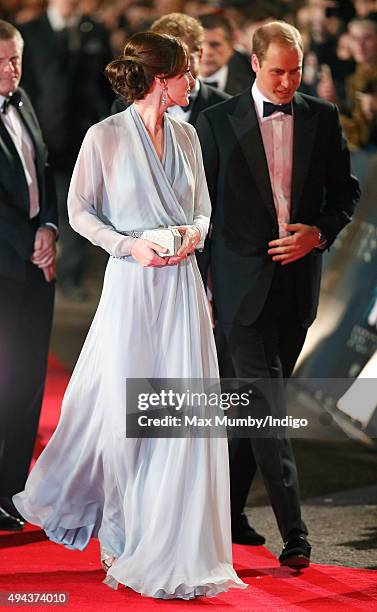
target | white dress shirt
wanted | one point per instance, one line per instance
(219, 77)
(57, 22)
(26, 152)
(277, 136)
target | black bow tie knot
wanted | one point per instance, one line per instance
(187, 108)
(14, 98)
(214, 84)
(269, 108)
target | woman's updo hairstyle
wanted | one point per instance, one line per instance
(146, 55)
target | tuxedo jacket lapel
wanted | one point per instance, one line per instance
(246, 128)
(199, 104)
(12, 171)
(304, 132)
(27, 118)
(16, 175)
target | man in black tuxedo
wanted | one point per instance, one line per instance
(28, 227)
(64, 60)
(278, 172)
(202, 96)
(222, 66)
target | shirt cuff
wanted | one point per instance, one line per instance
(52, 226)
(322, 240)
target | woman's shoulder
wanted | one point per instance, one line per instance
(183, 129)
(109, 125)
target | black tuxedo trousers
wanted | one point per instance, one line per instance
(26, 309)
(266, 350)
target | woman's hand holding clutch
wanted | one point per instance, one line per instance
(190, 238)
(146, 253)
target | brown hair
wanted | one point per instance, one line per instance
(278, 32)
(211, 21)
(8, 32)
(181, 26)
(146, 55)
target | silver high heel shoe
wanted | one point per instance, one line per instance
(107, 559)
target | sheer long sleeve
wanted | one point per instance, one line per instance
(202, 206)
(85, 199)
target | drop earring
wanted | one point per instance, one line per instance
(164, 98)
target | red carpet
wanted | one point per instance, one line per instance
(29, 562)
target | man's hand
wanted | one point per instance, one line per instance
(49, 272)
(303, 239)
(326, 87)
(368, 103)
(44, 248)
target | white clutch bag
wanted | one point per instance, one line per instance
(167, 237)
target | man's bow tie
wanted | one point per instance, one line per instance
(214, 84)
(270, 109)
(189, 105)
(14, 99)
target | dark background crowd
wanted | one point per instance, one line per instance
(341, 55)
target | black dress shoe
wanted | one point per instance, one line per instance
(296, 552)
(7, 504)
(10, 523)
(242, 533)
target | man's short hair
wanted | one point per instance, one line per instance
(216, 20)
(368, 22)
(180, 26)
(8, 32)
(278, 32)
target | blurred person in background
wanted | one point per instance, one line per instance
(28, 229)
(65, 56)
(358, 100)
(9, 9)
(163, 7)
(92, 8)
(364, 7)
(30, 9)
(129, 18)
(201, 95)
(323, 25)
(196, 8)
(247, 20)
(360, 107)
(221, 65)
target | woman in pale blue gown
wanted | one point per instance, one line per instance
(159, 506)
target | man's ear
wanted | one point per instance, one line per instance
(255, 63)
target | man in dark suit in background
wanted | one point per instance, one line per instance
(278, 172)
(28, 227)
(221, 65)
(201, 95)
(64, 60)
